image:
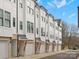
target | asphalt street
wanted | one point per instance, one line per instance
(65, 55)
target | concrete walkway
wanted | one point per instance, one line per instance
(37, 56)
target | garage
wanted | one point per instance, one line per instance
(30, 48)
(3, 49)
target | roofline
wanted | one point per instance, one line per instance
(43, 8)
(51, 16)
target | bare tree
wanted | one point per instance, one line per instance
(69, 31)
(64, 35)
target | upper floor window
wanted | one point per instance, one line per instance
(43, 19)
(21, 5)
(37, 16)
(30, 10)
(7, 19)
(1, 17)
(47, 34)
(52, 25)
(42, 32)
(29, 27)
(9, 0)
(14, 1)
(21, 25)
(13, 22)
(51, 36)
(37, 30)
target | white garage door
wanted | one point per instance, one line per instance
(3, 49)
(29, 49)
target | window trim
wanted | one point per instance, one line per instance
(30, 27)
(7, 19)
(21, 25)
(14, 22)
(2, 17)
(20, 5)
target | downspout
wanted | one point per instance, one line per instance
(24, 25)
(17, 25)
(24, 16)
(45, 30)
(48, 29)
(45, 35)
(39, 28)
(35, 27)
(54, 35)
(58, 38)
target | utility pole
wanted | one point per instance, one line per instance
(78, 16)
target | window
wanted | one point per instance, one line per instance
(52, 25)
(1, 13)
(7, 23)
(51, 36)
(47, 34)
(7, 19)
(42, 18)
(29, 11)
(21, 25)
(1, 21)
(37, 16)
(9, 0)
(13, 22)
(42, 32)
(1, 17)
(37, 30)
(21, 5)
(32, 11)
(29, 27)
(14, 1)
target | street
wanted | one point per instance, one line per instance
(66, 55)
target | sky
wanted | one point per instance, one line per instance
(65, 10)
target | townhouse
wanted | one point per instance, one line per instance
(51, 32)
(26, 29)
(7, 27)
(43, 23)
(30, 20)
(38, 40)
(58, 34)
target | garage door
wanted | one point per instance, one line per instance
(29, 49)
(3, 49)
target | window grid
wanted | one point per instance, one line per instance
(29, 27)
(21, 25)
(7, 19)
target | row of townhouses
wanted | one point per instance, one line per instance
(27, 28)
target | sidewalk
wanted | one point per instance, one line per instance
(37, 56)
